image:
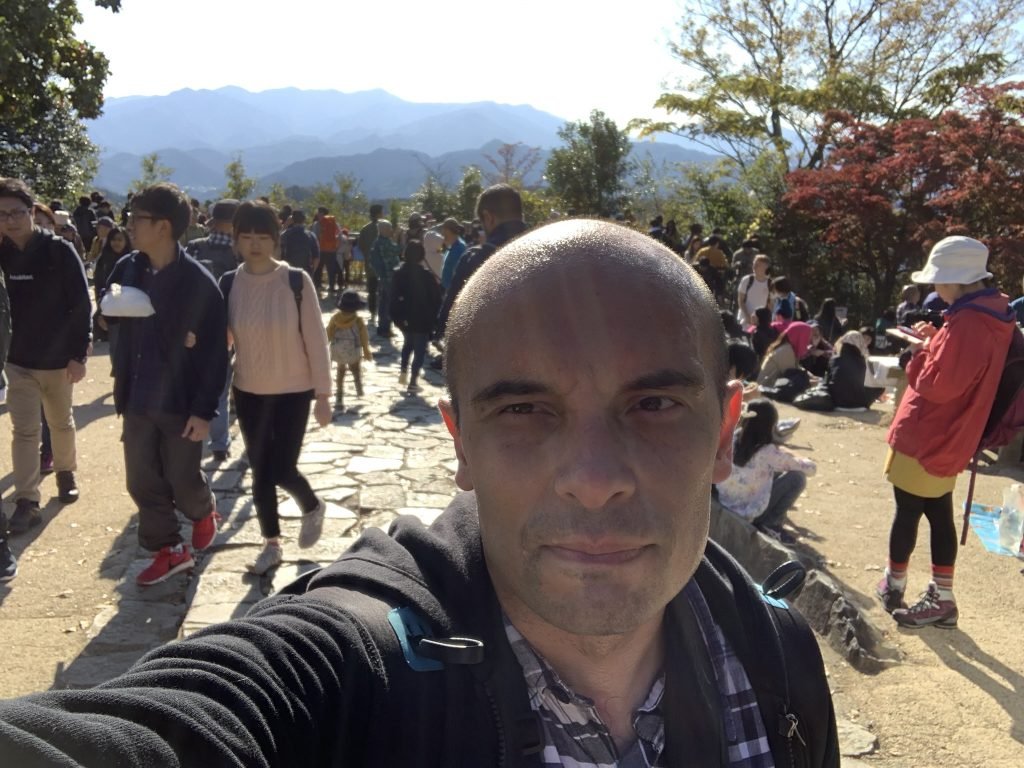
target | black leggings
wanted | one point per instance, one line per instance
(903, 537)
(272, 427)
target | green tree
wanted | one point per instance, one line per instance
(435, 197)
(344, 199)
(49, 82)
(152, 172)
(470, 186)
(589, 172)
(239, 185)
(768, 70)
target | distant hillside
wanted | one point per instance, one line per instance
(230, 119)
(298, 137)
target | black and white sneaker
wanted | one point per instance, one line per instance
(8, 563)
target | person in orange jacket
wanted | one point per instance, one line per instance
(952, 378)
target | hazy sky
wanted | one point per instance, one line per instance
(563, 56)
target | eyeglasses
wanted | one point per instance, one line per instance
(14, 215)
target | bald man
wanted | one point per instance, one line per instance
(566, 609)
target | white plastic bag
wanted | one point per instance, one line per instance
(125, 301)
(1011, 518)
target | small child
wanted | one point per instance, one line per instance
(349, 342)
(766, 479)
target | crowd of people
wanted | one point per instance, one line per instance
(206, 308)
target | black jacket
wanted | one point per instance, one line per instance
(471, 261)
(415, 298)
(193, 377)
(51, 314)
(299, 246)
(5, 323)
(317, 676)
(845, 381)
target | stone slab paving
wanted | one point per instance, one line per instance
(387, 454)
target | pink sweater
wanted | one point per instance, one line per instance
(272, 356)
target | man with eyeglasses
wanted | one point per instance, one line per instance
(51, 324)
(169, 371)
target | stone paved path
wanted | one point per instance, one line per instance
(388, 454)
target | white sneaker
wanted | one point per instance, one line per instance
(312, 525)
(270, 557)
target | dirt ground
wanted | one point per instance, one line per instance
(955, 699)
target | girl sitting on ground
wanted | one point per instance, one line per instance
(766, 479)
(785, 353)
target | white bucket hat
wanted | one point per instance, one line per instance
(955, 260)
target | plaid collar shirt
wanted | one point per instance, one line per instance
(574, 734)
(219, 238)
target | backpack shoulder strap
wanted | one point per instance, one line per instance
(781, 658)
(226, 281)
(295, 281)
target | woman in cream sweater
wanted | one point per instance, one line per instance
(281, 365)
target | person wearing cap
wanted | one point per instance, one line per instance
(952, 377)
(350, 344)
(217, 253)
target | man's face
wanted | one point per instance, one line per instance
(147, 231)
(760, 267)
(15, 219)
(591, 431)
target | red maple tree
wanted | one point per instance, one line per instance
(887, 193)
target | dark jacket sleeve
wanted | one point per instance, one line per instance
(5, 322)
(210, 353)
(268, 690)
(76, 292)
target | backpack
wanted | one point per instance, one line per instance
(345, 346)
(329, 232)
(218, 259)
(297, 247)
(791, 705)
(294, 281)
(1006, 417)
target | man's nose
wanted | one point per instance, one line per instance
(595, 470)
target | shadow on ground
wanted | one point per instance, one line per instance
(961, 653)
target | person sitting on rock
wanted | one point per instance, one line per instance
(766, 479)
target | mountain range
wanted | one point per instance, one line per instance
(303, 137)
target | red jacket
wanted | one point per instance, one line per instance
(952, 383)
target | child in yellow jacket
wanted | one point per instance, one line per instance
(349, 342)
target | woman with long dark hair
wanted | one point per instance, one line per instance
(766, 479)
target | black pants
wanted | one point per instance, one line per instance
(909, 510)
(272, 428)
(162, 472)
(371, 290)
(328, 259)
(416, 346)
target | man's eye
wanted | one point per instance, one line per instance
(655, 404)
(519, 409)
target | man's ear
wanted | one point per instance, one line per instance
(732, 403)
(462, 475)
